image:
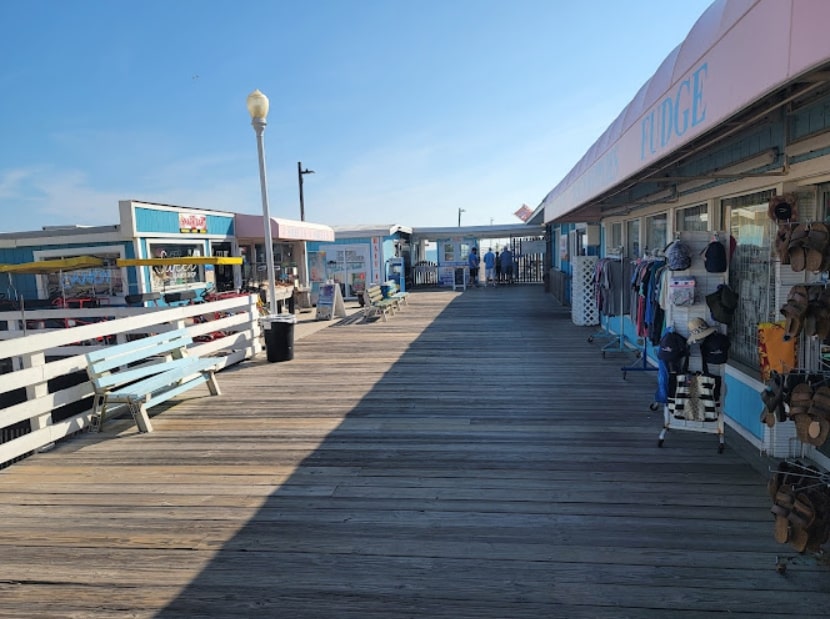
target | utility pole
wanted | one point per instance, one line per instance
(300, 173)
(460, 210)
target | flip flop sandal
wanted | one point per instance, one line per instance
(796, 308)
(799, 538)
(819, 237)
(768, 417)
(801, 398)
(802, 426)
(782, 242)
(813, 308)
(793, 313)
(818, 431)
(802, 517)
(799, 293)
(796, 249)
(782, 479)
(820, 402)
(782, 524)
(771, 402)
(816, 246)
(785, 497)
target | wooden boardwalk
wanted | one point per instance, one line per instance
(473, 457)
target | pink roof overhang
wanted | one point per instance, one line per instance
(738, 52)
(251, 227)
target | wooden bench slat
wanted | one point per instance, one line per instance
(109, 380)
(169, 393)
(141, 390)
(124, 354)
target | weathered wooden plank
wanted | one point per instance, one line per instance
(484, 461)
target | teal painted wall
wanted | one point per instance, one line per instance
(743, 404)
(149, 221)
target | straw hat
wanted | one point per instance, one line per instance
(699, 329)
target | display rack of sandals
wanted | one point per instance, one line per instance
(698, 306)
(797, 390)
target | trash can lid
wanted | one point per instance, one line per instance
(290, 318)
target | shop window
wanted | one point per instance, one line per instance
(101, 282)
(449, 252)
(750, 272)
(656, 232)
(615, 236)
(692, 219)
(175, 275)
(632, 238)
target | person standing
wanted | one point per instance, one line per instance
(506, 261)
(498, 268)
(489, 268)
(472, 262)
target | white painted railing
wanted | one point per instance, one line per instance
(43, 370)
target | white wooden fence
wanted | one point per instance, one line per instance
(36, 361)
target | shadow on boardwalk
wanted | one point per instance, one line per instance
(474, 456)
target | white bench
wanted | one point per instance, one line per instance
(146, 372)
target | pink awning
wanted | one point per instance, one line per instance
(251, 227)
(738, 52)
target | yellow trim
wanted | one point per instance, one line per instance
(44, 267)
(163, 262)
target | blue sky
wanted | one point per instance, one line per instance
(407, 111)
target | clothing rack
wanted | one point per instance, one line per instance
(602, 333)
(619, 345)
(643, 353)
(644, 366)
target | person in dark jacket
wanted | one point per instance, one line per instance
(506, 262)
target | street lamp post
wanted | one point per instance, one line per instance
(258, 109)
(460, 210)
(300, 173)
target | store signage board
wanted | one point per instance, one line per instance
(330, 303)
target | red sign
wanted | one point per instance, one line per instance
(524, 213)
(192, 224)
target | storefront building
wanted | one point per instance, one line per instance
(166, 231)
(145, 230)
(106, 282)
(149, 231)
(734, 122)
(358, 255)
(290, 248)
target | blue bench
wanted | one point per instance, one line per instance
(146, 372)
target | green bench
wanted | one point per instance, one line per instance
(395, 293)
(146, 372)
(376, 304)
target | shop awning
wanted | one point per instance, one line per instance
(44, 267)
(163, 262)
(250, 227)
(736, 53)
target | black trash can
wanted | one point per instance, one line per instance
(279, 336)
